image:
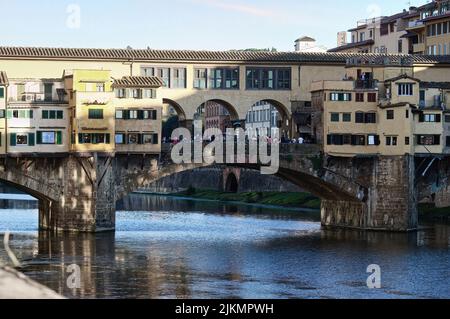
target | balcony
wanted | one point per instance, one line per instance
(416, 24)
(366, 84)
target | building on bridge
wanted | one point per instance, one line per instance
(263, 119)
(380, 108)
(3, 98)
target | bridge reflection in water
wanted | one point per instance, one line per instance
(187, 251)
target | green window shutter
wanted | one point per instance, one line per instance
(108, 138)
(154, 115)
(60, 115)
(126, 114)
(155, 139)
(45, 115)
(52, 115)
(2, 93)
(31, 139)
(9, 114)
(140, 115)
(59, 138)
(140, 139)
(22, 114)
(80, 138)
(30, 114)
(38, 137)
(12, 141)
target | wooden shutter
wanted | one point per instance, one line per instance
(31, 139)
(59, 138)
(438, 118)
(38, 137)
(108, 138)
(155, 139)
(13, 137)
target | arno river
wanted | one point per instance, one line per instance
(175, 248)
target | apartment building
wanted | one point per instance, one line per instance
(3, 98)
(217, 116)
(37, 116)
(429, 30)
(378, 35)
(263, 119)
(138, 114)
(379, 108)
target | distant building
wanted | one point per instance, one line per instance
(341, 38)
(378, 35)
(263, 119)
(307, 44)
(217, 116)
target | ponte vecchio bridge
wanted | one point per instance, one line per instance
(77, 190)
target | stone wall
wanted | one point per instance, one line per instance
(212, 179)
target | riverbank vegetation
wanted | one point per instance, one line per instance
(427, 212)
(285, 199)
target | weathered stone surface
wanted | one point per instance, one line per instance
(14, 285)
(79, 193)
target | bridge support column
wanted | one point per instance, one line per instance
(87, 200)
(390, 203)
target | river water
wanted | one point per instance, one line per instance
(168, 247)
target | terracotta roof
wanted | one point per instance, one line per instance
(138, 82)
(200, 56)
(394, 17)
(400, 77)
(3, 78)
(352, 45)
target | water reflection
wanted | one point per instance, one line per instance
(169, 248)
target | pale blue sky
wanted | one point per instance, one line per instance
(184, 24)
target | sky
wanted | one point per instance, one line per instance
(184, 24)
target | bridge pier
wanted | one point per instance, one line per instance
(389, 202)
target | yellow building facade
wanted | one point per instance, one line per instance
(382, 110)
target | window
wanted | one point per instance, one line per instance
(2, 93)
(133, 138)
(132, 115)
(405, 89)
(150, 139)
(372, 97)
(359, 97)
(373, 140)
(391, 140)
(359, 118)
(136, 93)
(179, 78)
(334, 117)
(148, 71)
(407, 114)
(340, 96)
(119, 114)
(370, 118)
(22, 140)
(200, 77)
(447, 141)
(447, 119)
(358, 140)
(164, 74)
(224, 79)
(2, 114)
(52, 114)
(48, 92)
(149, 93)
(50, 138)
(100, 87)
(95, 114)
(347, 117)
(390, 114)
(407, 140)
(20, 114)
(119, 138)
(428, 140)
(400, 46)
(268, 79)
(430, 118)
(93, 138)
(121, 93)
